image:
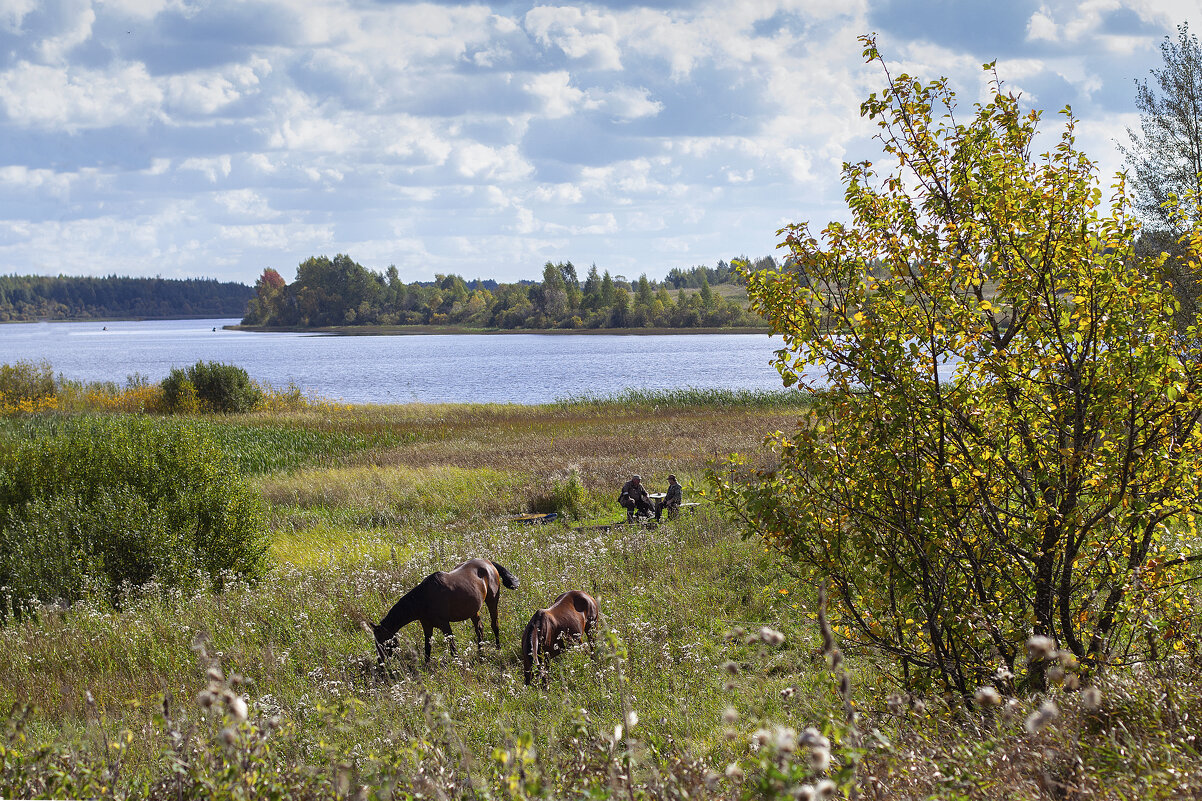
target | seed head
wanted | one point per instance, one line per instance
(205, 699)
(730, 715)
(804, 792)
(1040, 648)
(237, 707)
(784, 739)
(787, 693)
(826, 789)
(987, 697)
(229, 736)
(730, 667)
(733, 771)
(771, 637)
(896, 704)
(1037, 720)
(1091, 697)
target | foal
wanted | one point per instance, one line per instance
(445, 598)
(573, 615)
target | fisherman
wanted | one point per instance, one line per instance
(671, 500)
(635, 499)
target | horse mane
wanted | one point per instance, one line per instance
(507, 578)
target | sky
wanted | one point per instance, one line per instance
(199, 139)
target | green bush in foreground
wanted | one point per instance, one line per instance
(210, 386)
(99, 503)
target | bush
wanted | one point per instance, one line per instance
(210, 386)
(100, 503)
(26, 386)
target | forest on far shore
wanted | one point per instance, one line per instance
(63, 297)
(339, 292)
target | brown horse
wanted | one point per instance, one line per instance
(445, 598)
(573, 615)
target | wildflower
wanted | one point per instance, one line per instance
(1055, 674)
(1066, 657)
(730, 667)
(1041, 717)
(1003, 674)
(733, 771)
(787, 693)
(618, 732)
(1011, 707)
(771, 636)
(1040, 648)
(205, 699)
(826, 789)
(803, 792)
(730, 715)
(229, 736)
(1091, 697)
(215, 674)
(759, 737)
(632, 719)
(987, 696)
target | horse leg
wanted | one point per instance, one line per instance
(428, 630)
(479, 627)
(450, 636)
(496, 629)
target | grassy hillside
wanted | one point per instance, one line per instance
(273, 688)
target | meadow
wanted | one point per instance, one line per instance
(709, 665)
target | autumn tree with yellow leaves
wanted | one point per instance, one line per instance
(1005, 441)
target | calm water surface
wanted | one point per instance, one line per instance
(508, 368)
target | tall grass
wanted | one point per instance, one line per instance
(691, 397)
(272, 688)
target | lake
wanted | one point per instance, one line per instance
(432, 368)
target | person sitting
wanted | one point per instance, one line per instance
(635, 499)
(671, 500)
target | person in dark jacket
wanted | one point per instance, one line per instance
(634, 498)
(671, 500)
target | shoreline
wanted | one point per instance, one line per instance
(416, 330)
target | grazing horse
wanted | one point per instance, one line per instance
(574, 614)
(445, 598)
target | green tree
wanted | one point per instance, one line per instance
(1165, 159)
(1008, 441)
(1166, 154)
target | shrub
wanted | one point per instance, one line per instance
(99, 503)
(210, 386)
(26, 386)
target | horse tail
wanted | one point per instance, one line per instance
(507, 578)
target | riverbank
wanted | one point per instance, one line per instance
(404, 330)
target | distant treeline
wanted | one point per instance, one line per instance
(33, 297)
(338, 291)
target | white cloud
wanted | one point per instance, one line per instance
(625, 102)
(1041, 26)
(13, 13)
(36, 96)
(211, 168)
(558, 97)
(582, 34)
(482, 162)
(246, 203)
